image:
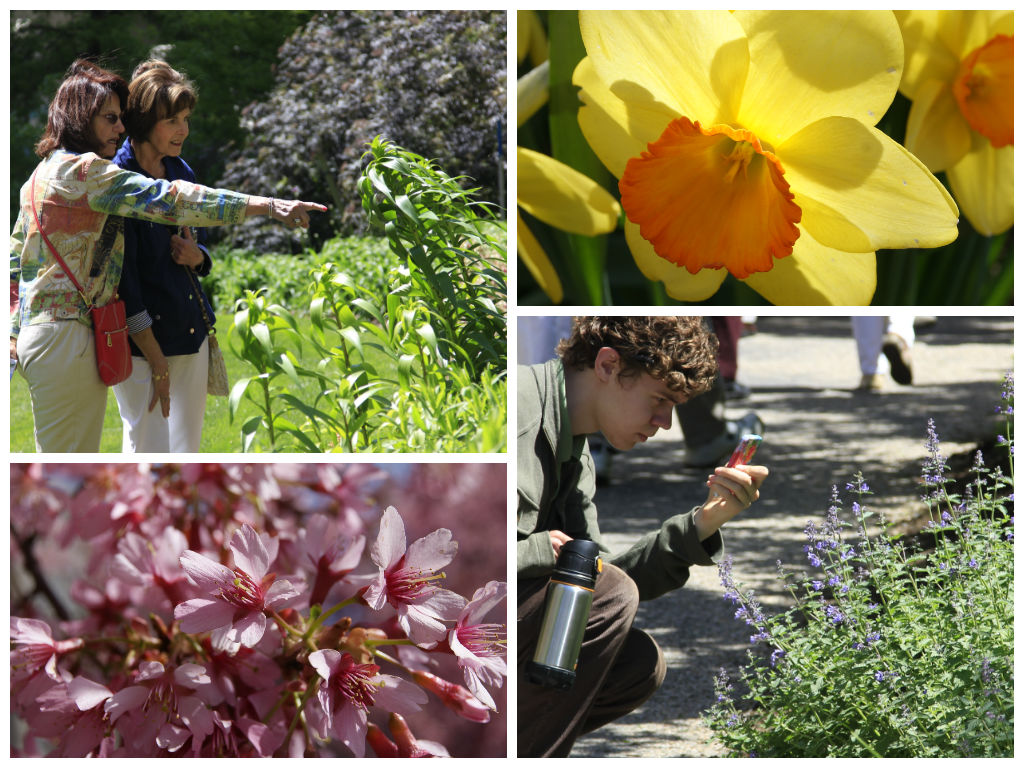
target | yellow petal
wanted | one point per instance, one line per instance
(537, 261)
(936, 131)
(692, 62)
(850, 177)
(928, 57)
(562, 196)
(815, 274)
(532, 92)
(983, 185)
(805, 65)
(530, 38)
(614, 129)
(679, 283)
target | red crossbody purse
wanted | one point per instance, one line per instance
(109, 324)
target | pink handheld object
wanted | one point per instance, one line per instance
(744, 451)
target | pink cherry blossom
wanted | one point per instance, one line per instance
(35, 649)
(164, 708)
(348, 691)
(152, 563)
(480, 648)
(239, 597)
(405, 579)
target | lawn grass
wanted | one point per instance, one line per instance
(220, 435)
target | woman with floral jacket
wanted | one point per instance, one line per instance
(79, 199)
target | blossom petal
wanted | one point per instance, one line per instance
(816, 64)
(983, 184)
(390, 544)
(693, 63)
(376, 594)
(432, 552)
(325, 662)
(205, 573)
(350, 728)
(203, 615)
(191, 676)
(125, 700)
(679, 283)
(31, 631)
(250, 553)
(562, 196)
(249, 629)
(936, 131)
(537, 261)
(397, 695)
(860, 190)
(483, 600)
(282, 594)
(86, 694)
(815, 274)
(615, 129)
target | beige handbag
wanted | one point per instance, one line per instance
(217, 375)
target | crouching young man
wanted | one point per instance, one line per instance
(620, 376)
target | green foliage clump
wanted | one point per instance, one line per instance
(893, 651)
(284, 278)
(432, 81)
(418, 366)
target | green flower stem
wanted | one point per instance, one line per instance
(319, 621)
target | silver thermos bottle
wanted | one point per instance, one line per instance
(566, 609)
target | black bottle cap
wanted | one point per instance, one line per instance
(577, 561)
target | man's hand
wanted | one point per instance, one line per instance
(557, 540)
(731, 490)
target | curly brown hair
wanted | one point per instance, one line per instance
(680, 351)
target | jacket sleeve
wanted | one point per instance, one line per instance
(117, 192)
(130, 287)
(660, 562)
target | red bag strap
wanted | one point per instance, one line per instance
(68, 272)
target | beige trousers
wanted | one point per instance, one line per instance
(58, 359)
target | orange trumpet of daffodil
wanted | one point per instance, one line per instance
(744, 143)
(959, 78)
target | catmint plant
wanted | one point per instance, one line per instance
(894, 647)
(272, 610)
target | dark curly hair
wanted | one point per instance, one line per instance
(680, 351)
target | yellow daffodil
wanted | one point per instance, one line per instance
(959, 78)
(554, 193)
(745, 143)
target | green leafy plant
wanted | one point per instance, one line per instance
(893, 650)
(413, 362)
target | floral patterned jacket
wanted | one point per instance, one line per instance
(80, 200)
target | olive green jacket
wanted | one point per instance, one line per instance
(556, 484)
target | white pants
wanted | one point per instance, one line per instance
(58, 359)
(869, 330)
(148, 431)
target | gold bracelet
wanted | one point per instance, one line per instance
(166, 374)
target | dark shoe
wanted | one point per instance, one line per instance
(735, 391)
(897, 353)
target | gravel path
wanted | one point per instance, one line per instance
(818, 434)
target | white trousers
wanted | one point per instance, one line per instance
(146, 431)
(869, 330)
(58, 359)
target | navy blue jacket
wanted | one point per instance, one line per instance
(156, 291)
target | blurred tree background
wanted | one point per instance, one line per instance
(288, 100)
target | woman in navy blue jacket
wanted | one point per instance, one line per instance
(160, 280)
